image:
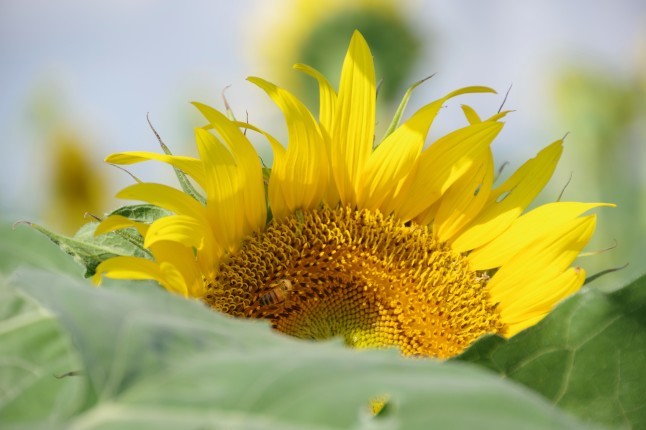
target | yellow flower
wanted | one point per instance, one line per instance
(75, 185)
(389, 246)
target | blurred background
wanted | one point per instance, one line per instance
(78, 79)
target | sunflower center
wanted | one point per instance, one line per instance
(360, 275)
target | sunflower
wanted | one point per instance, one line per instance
(387, 245)
(75, 185)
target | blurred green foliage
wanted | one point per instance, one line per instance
(606, 113)
(131, 355)
(394, 46)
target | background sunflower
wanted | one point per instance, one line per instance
(316, 33)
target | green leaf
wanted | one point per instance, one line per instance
(34, 355)
(143, 212)
(89, 250)
(22, 246)
(158, 361)
(588, 356)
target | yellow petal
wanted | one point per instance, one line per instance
(174, 281)
(128, 268)
(499, 115)
(276, 196)
(170, 258)
(276, 146)
(354, 122)
(428, 215)
(166, 197)
(537, 303)
(509, 200)
(471, 115)
(327, 108)
(176, 228)
(440, 166)
(390, 162)
(327, 97)
(543, 259)
(303, 177)
(224, 199)
(177, 260)
(541, 298)
(118, 222)
(529, 227)
(514, 329)
(393, 159)
(248, 164)
(464, 200)
(177, 202)
(190, 166)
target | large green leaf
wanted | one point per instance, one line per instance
(588, 356)
(161, 362)
(35, 355)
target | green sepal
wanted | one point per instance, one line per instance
(402, 106)
(184, 182)
(266, 173)
(142, 212)
(89, 250)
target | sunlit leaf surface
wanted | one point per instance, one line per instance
(152, 360)
(36, 358)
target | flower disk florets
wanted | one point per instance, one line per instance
(357, 274)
